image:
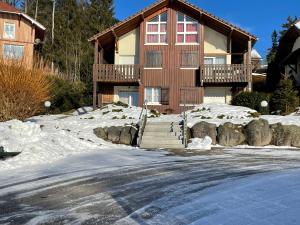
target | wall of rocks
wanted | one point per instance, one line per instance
(256, 133)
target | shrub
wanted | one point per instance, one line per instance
(119, 103)
(252, 100)
(285, 98)
(22, 90)
(68, 95)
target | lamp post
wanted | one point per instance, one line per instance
(47, 105)
(264, 105)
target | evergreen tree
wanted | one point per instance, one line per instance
(287, 25)
(273, 50)
(285, 98)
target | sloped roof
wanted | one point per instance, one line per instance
(7, 8)
(255, 54)
(156, 4)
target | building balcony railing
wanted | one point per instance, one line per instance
(228, 73)
(117, 73)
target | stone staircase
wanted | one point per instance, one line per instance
(166, 135)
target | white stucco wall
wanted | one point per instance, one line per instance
(297, 44)
(128, 45)
(215, 43)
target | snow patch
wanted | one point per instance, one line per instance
(200, 144)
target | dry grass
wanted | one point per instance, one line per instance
(22, 90)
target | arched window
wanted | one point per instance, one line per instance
(156, 29)
(187, 29)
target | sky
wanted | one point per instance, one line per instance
(259, 17)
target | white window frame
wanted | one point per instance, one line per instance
(185, 32)
(12, 56)
(14, 30)
(159, 33)
(152, 96)
(214, 59)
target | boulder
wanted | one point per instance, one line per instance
(101, 132)
(285, 135)
(128, 135)
(203, 129)
(258, 133)
(113, 134)
(230, 134)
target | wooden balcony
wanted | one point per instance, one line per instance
(231, 73)
(117, 73)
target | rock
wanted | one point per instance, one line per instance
(113, 134)
(285, 135)
(258, 133)
(230, 134)
(203, 129)
(101, 132)
(128, 135)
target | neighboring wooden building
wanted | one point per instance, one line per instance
(171, 54)
(288, 54)
(19, 34)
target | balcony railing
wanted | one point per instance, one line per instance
(117, 73)
(230, 73)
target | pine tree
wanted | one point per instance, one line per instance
(285, 98)
(273, 50)
(287, 25)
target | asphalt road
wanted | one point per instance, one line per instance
(131, 194)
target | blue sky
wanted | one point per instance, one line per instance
(259, 17)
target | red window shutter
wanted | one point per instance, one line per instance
(165, 96)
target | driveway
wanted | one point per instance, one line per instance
(144, 187)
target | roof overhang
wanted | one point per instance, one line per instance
(28, 18)
(124, 26)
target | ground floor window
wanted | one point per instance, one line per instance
(153, 95)
(13, 51)
(215, 60)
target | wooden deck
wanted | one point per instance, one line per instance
(231, 73)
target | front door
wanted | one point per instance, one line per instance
(129, 97)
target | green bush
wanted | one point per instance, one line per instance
(252, 100)
(285, 98)
(67, 95)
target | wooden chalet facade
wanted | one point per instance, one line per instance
(171, 54)
(20, 35)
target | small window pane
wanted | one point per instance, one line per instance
(9, 30)
(155, 19)
(189, 19)
(208, 61)
(221, 60)
(180, 27)
(152, 28)
(148, 94)
(163, 38)
(153, 59)
(191, 38)
(164, 17)
(180, 38)
(191, 27)
(156, 95)
(180, 17)
(163, 27)
(152, 38)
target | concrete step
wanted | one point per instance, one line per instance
(161, 141)
(161, 129)
(161, 134)
(165, 146)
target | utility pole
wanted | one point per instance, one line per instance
(52, 35)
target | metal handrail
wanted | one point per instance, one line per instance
(143, 121)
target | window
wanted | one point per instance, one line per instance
(9, 30)
(156, 32)
(187, 29)
(215, 60)
(153, 59)
(13, 51)
(189, 59)
(153, 95)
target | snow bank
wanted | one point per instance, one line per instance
(200, 144)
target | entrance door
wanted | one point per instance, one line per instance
(129, 97)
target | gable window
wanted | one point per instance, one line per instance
(9, 30)
(156, 29)
(153, 95)
(215, 60)
(13, 51)
(189, 59)
(187, 29)
(153, 59)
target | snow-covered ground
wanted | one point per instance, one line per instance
(45, 139)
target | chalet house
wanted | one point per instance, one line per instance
(288, 54)
(171, 54)
(19, 34)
